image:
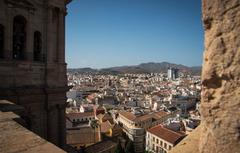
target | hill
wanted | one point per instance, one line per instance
(150, 67)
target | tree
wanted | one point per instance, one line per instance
(129, 147)
(119, 148)
(94, 124)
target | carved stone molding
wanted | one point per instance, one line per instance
(24, 4)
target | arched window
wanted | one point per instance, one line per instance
(1, 40)
(37, 51)
(19, 37)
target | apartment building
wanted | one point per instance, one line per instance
(161, 140)
(135, 125)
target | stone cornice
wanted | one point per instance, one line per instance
(32, 90)
(24, 4)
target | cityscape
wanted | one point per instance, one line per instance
(146, 112)
(119, 76)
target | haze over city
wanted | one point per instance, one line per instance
(109, 33)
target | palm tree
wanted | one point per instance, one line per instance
(94, 124)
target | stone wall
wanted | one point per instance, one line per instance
(219, 131)
(38, 85)
(220, 107)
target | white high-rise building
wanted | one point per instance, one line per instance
(172, 73)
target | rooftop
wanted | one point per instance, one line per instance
(101, 147)
(130, 116)
(85, 114)
(166, 134)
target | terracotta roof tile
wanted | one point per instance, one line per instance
(166, 134)
(128, 115)
(105, 126)
(102, 146)
(85, 114)
(132, 117)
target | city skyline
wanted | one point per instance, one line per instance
(106, 33)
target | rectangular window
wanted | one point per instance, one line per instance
(153, 147)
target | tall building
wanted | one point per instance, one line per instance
(32, 63)
(172, 73)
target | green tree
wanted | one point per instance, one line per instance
(94, 124)
(119, 148)
(129, 147)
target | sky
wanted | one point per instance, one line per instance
(108, 33)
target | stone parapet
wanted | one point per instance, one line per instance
(14, 137)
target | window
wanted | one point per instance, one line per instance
(157, 141)
(1, 41)
(153, 147)
(165, 145)
(161, 143)
(19, 37)
(153, 139)
(37, 46)
(169, 147)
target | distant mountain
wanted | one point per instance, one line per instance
(83, 70)
(141, 68)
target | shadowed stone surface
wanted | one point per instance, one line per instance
(33, 67)
(14, 138)
(6, 106)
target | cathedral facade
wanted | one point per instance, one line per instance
(32, 63)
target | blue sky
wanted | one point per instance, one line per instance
(106, 33)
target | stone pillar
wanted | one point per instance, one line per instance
(52, 122)
(61, 37)
(220, 107)
(49, 54)
(62, 125)
(29, 40)
(8, 35)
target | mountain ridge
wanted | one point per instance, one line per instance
(150, 67)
